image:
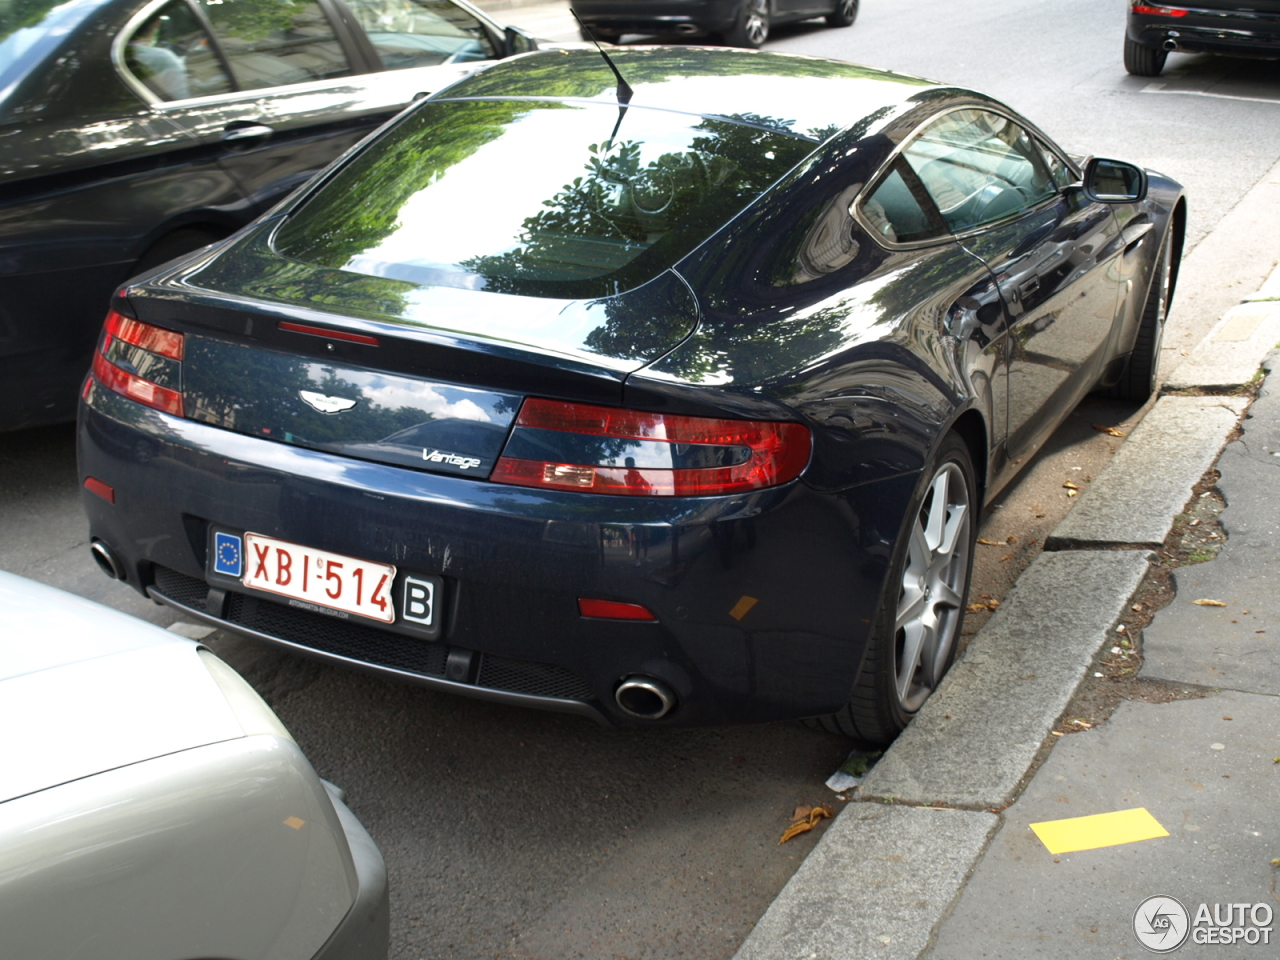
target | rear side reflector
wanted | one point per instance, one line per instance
(93, 485)
(574, 446)
(1158, 11)
(613, 610)
(327, 333)
(130, 349)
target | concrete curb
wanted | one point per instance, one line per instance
(1229, 356)
(976, 736)
(1149, 480)
(873, 889)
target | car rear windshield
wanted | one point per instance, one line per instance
(536, 197)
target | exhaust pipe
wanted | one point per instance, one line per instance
(687, 28)
(645, 698)
(1171, 44)
(107, 560)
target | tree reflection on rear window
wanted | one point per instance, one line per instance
(540, 198)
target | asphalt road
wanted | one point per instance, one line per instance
(512, 833)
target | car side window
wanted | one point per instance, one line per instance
(896, 209)
(978, 167)
(273, 43)
(174, 57)
(422, 33)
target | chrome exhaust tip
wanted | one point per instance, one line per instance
(1171, 44)
(107, 560)
(645, 698)
(687, 28)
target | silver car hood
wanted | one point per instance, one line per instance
(85, 689)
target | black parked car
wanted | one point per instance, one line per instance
(680, 410)
(133, 131)
(738, 23)
(1248, 29)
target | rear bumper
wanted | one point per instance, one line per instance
(763, 601)
(659, 16)
(1231, 32)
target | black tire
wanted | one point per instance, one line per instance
(878, 709)
(845, 13)
(173, 245)
(1141, 372)
(752, 27)
(1143, 61)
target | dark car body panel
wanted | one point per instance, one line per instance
(763, 600)
(690, 17)
(1212, 26)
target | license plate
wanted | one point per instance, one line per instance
(316, 576)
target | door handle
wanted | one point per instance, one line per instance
(250, 131)
(1029, 287)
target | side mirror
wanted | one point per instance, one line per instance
(517, 41)
(1114, 181)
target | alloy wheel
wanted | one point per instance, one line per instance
(929, 605)
(756, 26)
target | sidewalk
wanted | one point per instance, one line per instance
(939, 853)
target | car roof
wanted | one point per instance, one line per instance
(808, 96)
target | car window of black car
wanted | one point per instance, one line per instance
(978, 167)
(174, 56)
(270, 43)
(422, 33)
(898, 210)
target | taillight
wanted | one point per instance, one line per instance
(1158, 11)
(574, 446)
(141, 362)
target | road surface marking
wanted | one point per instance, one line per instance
(1099, 830)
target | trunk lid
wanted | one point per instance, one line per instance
(410, 374)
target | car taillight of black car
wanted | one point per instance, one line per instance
(141, 362)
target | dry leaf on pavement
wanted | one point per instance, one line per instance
(1109, 431)
(1208, 603)
(991, 543)
(808, 823)
(801, 813)
(984, 602)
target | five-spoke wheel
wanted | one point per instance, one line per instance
(914, 638)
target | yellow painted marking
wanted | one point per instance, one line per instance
(742, 607)
(295, 822)
(1099, 830)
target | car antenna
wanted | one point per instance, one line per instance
(624, 88)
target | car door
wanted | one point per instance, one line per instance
(1004, 195)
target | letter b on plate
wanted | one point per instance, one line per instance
(419, 601)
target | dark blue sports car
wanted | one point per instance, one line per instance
(670, 396)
